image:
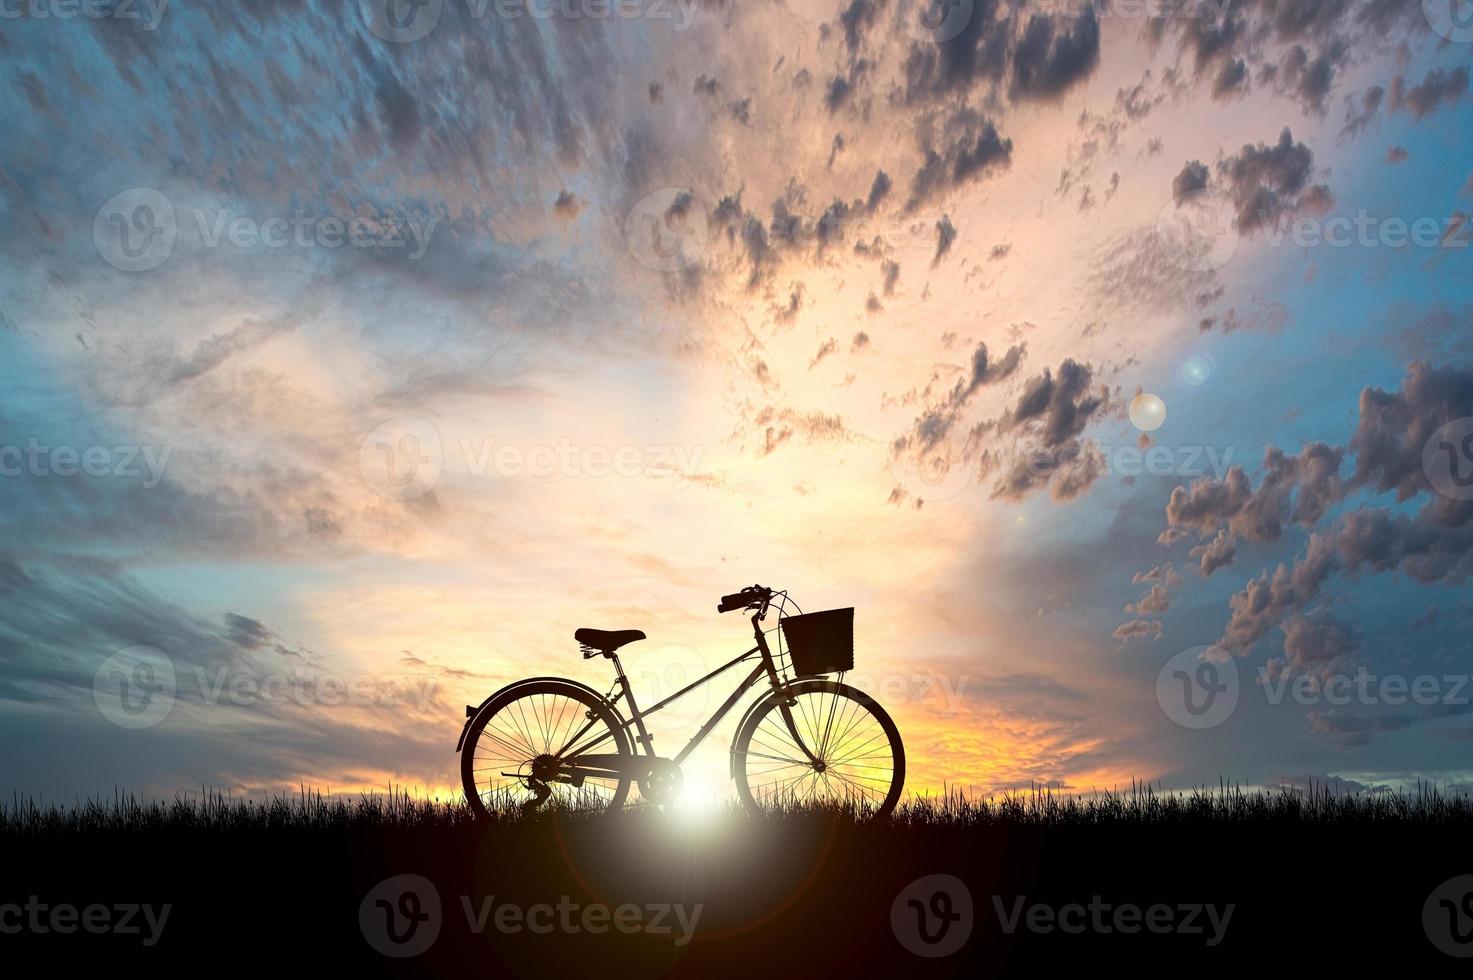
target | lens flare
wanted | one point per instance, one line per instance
(1147, 412)
(1195, 370)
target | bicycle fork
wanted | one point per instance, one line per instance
(785, 702)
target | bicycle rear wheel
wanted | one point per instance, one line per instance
(857, 757)
(516, 750)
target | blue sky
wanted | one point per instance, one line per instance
(791, 292)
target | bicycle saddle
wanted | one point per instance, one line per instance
(606, 641)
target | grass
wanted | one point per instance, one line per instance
(1141, 805)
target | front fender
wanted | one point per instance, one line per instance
(751, 708)
(472, 710)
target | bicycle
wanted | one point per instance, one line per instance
(809, 740)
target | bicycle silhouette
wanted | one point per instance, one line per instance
(807, 741)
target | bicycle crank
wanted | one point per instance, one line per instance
(662, 782)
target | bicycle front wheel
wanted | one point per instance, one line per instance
(854, 755)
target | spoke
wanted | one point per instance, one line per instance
(512, 738)
(779, 758)
(828, 726)
(866, 744)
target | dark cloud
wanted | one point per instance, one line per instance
(1359, 113)
(1047, 421)
(1308, 80)
(246, 632)
(858, 17)
(1048, 62)
(892, 275)
(1138, 102)
(967, 147)
(1266, 181)
(945, 236)
(1193, 177)
(1231, 80)
(1440, 87)
(878, 190)
(567, 206)
(935, 72)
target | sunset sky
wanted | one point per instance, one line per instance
(444, 346)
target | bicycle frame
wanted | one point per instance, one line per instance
(635, 765)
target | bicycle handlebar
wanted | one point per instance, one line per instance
(752, 597)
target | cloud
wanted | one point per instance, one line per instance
(1431, 545)
(1138, 629)
(1048, 62)
(1155, 602)
(1047, 422)
(967, 148)
(1231, 81)
(945, 235)
(1267, 181)
(937, 423)
(1318, 646)
(567, 206)
(1359, 113)
(1438, 88)
(1216, 554)
(1297, 488)
(1193, 177)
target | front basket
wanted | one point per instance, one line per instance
(821, 642)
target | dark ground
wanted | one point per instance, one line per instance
(1312, 884)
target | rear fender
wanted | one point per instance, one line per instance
(472, 710)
